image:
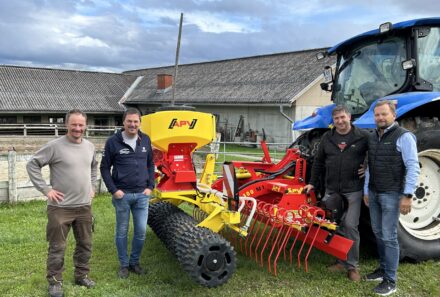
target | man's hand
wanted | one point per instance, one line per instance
(308, 188)
(118, 194)
(92, 194)
(147, 192)
(405, 205)
(55, 196)
(361, 171)
(366, 200)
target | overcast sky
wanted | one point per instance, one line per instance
(119, 35)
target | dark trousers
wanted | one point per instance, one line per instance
(60, 220)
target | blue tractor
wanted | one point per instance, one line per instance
(399, 62)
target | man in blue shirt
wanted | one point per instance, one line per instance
(130, 181)
(390, 182)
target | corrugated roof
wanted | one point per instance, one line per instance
(267, 79)
(55, 90)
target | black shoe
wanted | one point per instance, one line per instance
(55, 288)
(136, 269)
(123, 272)
(385, 288)
(85, 282)
(376, 275)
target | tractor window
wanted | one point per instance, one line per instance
(429, 58)
(369, 72)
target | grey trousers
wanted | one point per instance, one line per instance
(349, 226)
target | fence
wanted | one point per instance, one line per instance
(52, 130)
(15, 185)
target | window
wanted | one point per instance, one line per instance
(8, 120)
(32, 119)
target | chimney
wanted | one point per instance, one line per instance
(164, 81)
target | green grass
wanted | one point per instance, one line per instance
(23, 252)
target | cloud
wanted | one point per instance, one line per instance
(118, 35)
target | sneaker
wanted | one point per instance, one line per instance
(136, 269)
(337, 267)
(85, 282)
(385, 288)
(354, 275)
(123, 272)
(55, 288)
(376, 275)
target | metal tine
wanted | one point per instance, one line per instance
(315, 213)
(304, 211)
(278, 243)
(265, 223)
(293, 245)
(258, 221)
(288, 225)
(275, 224)
(267, 211)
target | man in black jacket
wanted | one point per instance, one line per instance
(340, 156)
(131, 181)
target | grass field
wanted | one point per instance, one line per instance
(23, 258)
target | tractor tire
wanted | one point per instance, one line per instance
(419, 231)
(209, 259)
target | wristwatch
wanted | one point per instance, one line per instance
(408, 195)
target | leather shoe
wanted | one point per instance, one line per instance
(85, 282)
(136, 269)
(337, 267)
(354, 275)
(123, 272)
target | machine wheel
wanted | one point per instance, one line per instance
(419, 231)
(209, 259)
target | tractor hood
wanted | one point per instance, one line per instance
(404, 103)
(321, 118)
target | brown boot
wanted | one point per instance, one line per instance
(354, 275)
(337, 267)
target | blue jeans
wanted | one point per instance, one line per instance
(137, 203)
(384, 214)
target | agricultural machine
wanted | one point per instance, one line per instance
(399, 62)
(257, 207)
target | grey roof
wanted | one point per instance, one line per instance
(53, 90)
(267, 79)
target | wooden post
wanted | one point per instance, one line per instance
(12, 176)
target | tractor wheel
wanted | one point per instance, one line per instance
(209, 259)
(419, 231)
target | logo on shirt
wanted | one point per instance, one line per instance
(182, 123)
(342, 145)
(124, 151)
(144, 150)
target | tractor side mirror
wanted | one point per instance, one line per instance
(326, 87)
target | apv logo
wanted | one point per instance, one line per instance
(182, 123)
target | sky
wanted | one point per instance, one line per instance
(120, 35)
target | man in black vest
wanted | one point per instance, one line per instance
(340, 155)
(393, 169)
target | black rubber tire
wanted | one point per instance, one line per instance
(209, 260)
(415, 249)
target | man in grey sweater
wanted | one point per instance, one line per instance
(73, 172)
